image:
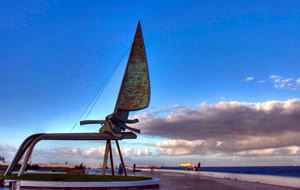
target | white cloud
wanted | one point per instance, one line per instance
(136, 152)
(178, 147)
(7, 151)
(248, 79)
(92, 152)
(280, 82)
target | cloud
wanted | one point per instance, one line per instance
(7, 151)
(228, 127)
(136, 152)
(280, 82)
(248, 79)
(184, 147)
(93, 152)
(178, 147)
(283, 151)
(71, 154)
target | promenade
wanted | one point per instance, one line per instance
(182, 181)
(190, 180)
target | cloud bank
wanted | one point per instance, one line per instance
(226, 127)
(71, 154)
(232, 128)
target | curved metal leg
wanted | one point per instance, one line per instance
(29, 152)
(20, 152)
(26, 158)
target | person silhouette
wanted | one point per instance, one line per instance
(134, 166)
(120, 171)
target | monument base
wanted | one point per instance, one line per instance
(84, 182)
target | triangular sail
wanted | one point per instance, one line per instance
(135, 89)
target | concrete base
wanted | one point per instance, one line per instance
(145, 184)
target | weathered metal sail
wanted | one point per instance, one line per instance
(135, 89)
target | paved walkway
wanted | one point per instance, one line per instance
(184, 181)
(181, 181)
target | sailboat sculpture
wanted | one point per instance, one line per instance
(134, 92)
(134, 95)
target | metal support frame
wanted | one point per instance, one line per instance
(104, 165)
(108, 150)
(121, 157)
(111, 159)
(29, 143)
(26, 159)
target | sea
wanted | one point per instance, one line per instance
(288, 171)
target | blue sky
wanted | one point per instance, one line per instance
(55, 55)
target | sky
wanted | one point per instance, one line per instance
(225, 79)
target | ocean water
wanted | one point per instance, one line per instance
(290, 171)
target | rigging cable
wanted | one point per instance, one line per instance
(99, 93)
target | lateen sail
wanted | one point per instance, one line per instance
(135, 89)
